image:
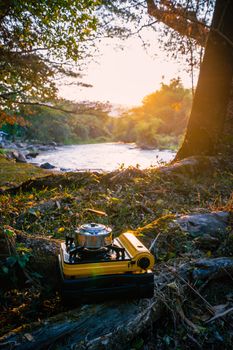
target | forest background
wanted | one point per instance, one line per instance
(159, 122)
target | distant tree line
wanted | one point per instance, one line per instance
(159, 121)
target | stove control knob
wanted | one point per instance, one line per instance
(144, 263)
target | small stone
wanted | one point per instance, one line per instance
(32, 155)
(47, 166)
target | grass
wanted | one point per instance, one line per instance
(13, 174)
(131, 198)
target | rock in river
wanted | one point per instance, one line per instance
(18, 156)
(32, 155)
(47, 166)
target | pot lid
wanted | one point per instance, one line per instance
(94, 229)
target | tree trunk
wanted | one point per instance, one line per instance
(212, 94)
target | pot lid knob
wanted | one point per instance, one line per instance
(94, 229)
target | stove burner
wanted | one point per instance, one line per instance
(79, 254)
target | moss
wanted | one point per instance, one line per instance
(162, 224)
(13, 174)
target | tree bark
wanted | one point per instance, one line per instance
(104, 326)
(212, 94)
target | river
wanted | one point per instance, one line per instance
(103, 156)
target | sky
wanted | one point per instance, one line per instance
(124, 72)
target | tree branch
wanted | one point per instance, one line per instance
(38, 104)
(179, 19)
(83, 110)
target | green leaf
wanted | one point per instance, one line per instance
(22, 263)
(22, 260)
(11, 260)
(9, 233)
(21, 248)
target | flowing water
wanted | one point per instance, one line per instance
(103, 156)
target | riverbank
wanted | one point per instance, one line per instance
(93, 157)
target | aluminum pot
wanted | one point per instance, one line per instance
(93, 236)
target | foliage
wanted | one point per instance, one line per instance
(86, 122)
(189, 19)
(17, 260)
(159, 122)
(39, 40)
(161, 119)
(182, 25)
(21, 260)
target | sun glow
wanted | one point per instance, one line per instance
(125, 75)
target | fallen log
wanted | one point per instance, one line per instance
(104, 326)
(113, 325)
(53, 180)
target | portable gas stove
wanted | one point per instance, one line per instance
(93, 266)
